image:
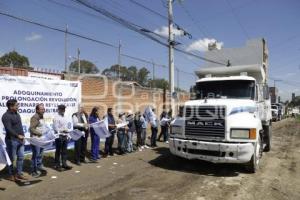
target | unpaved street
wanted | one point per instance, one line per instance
(156, 174)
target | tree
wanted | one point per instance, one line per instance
(295, 102)
(128, 74)
(132, 73)
(15, 59)
(142, 76)
(111, 72)
(85, 67)
(160, 83)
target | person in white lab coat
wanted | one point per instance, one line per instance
(60, 126)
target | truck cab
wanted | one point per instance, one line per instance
(229, 121)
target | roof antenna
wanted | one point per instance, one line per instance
(228, 63)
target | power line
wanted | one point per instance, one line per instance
(143, 60)
(237, 19)
(204, 33)
(137, 28)
(148, 9)
(80, 36)
(58, 29)
(127, 24)
(161, 16)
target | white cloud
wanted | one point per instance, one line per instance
(202, 44)
(164, 31)
(33, 37)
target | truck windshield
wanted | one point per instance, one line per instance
(231, 89)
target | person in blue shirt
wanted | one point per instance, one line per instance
(95, 140)
(154, 129)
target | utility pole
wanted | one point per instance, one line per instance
(153, 74)
(119, 60)
(66, 51)
(171, 56)
(78, 60)
(153, 80)
(119, 79)
(177, 71)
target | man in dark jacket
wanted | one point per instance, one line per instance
(14, 139)
(112, 129)
(80, 123)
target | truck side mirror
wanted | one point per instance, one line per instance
(193, 96)
(266, 92)
(181, 111)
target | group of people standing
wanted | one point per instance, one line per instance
(124, 127)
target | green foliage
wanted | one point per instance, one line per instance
(140, 76)
(15, 59)
(128, 74)
(86, 67)
(159, 83)
(295, 102)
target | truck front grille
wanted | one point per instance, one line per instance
(205, 122)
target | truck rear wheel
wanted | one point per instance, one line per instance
(267, 138)
(253, 164)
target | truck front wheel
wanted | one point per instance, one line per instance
(252, 165)
(267, 137)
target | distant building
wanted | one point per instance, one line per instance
(39, 73)
(293, 96)
(273, 94)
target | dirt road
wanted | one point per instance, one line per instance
(156, 174)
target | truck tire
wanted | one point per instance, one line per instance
(253, 165)
(267, 137)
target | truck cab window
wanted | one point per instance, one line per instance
(240, 89)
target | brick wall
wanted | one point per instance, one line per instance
(104, 92)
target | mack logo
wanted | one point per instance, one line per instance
(205, 123)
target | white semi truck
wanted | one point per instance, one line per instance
(230, 119)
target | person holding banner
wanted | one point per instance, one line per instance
(112, 129)
(95, 139)
(60, 126)
(131, 131)
(121, 134)
(164, 125)
(35, 129)
(14, 139)
(138, 127)
(143, 132)
(153, 123)
(80, 123)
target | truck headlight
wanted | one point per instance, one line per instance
(176, 130)
(243, 133)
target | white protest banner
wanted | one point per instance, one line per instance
(76, 134)
(164, 121)
(121, 125)
(4, 158)
(148, 114)
(30, 91)
(45, 141)
(101, 128)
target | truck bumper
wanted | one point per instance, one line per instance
(215, 152)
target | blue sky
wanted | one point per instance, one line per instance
(229, 23)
